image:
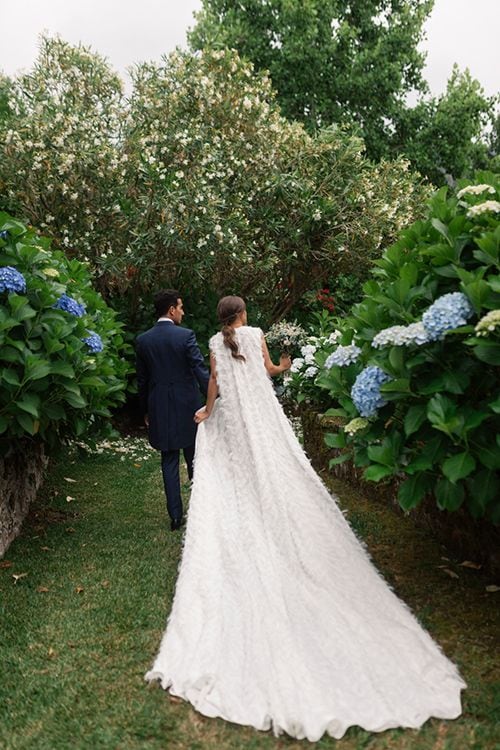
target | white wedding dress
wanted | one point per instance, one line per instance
(280, 620)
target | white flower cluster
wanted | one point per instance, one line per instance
(447, 312)
(133, 449)
(343, 356)
(482, 208)
(475, 190)
(488, 323)
(355, 425)
(308, 351)
(297, 364)
(334, 337)
(414, 333)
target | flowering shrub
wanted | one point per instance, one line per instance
(196, 181)
(57, 378)
(300, 381)
(420, 401)
(62, 165)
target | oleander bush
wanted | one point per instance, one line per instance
(196, 181)
(415, 376)
(63, 365)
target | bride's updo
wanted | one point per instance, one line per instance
(228, 310)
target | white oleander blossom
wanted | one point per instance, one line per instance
(475, 190)
(482, 208)
(415, 333)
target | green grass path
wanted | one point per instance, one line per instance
(82, 621)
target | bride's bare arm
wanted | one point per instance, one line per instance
(285, 361)
(212, 392)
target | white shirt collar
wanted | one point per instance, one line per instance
(164, 318)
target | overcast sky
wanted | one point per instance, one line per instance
(128, 31)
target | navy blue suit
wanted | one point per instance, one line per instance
(170, 374)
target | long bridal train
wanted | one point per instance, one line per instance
(280, 620)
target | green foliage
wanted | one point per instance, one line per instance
(443, 137)
(439, 431)
(52, 385)
(196, 182)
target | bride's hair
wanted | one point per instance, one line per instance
(228, 310)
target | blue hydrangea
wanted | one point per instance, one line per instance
(11, 280)
(447, 312)
(68, 304)
(94, 342)
(343, 356)
(365, 392)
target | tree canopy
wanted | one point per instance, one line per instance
(330, 61)
(356, 62)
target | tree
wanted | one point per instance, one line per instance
(331, 61)
(443, 137)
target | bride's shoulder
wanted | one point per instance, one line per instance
(252, 331)
(215, 340)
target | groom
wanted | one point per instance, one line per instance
(170, 368)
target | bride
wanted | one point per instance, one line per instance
(280, 620)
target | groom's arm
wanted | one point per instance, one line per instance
(197, 362)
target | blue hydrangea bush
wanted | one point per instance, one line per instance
(63, 359)
(420, 396)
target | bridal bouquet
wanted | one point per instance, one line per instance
(286, 337)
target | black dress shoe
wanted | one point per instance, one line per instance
(176, 523)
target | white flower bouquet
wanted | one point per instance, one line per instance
(286, 337)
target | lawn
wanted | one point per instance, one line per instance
(86, 588)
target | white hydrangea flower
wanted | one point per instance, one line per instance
(297, 364)
(475, 190)
(355, 425)
(343, 356)
(414, 333)
(488, 323)
(334, 337)
(308, 352)
(482, 208)
(310, 372)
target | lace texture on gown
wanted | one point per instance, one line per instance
(280, 619)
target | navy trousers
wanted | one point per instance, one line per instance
(171, 481)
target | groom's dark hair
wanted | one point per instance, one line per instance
(164, 299)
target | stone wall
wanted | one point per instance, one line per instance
(21, 474)
(471, 539)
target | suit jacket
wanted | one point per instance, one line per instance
(170, 374)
